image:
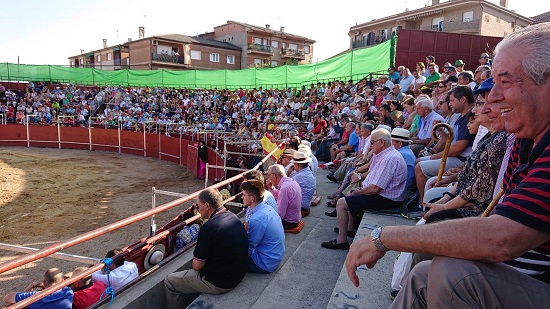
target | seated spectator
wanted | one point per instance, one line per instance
(86, 292)
(61, 299)
(502, 257)
(120, 274)
(288, 195)
(382, 188)
(266, 237)
(306, 180)
(425, 109)
(349, 147)
(461, 101)
(219, 259)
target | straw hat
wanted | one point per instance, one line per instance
(399, 134)
(289, 152)
(300, 157)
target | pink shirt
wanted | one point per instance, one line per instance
(289, 200)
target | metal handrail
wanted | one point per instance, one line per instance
(52, 249)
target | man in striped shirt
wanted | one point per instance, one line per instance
(468, 270)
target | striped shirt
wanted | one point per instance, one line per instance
(388, 171)
(527, 198)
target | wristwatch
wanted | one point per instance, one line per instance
(375, 237)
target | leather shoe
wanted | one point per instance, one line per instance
(331, 204)
(333, 244)
(305, 212)
(331, 214)
(332, 178)
(350, 233)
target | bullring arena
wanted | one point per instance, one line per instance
(49, 195)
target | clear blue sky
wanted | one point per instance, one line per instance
(48, 32)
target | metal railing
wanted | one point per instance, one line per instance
(167, 58)
(260, 47)
(52, 249)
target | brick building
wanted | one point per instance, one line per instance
(477, 17)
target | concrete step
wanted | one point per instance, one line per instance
(374, 284)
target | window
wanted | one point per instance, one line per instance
(214, 57)
(274, 63)
(72, 63)
(196, 55)
(258, 41)
(487, 19)
(231, 59)
(293, 46)
(109, 56)
(98, 58)
(284, 45)
(275, 44)
(437, 24)
(467, 17)
(306, 49)
(257, 61)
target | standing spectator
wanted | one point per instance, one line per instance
(203, 159)
(219, 259)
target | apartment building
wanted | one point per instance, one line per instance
(477, 17)
(169, 52)
(264, 46)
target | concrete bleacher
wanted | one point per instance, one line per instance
(309, 276)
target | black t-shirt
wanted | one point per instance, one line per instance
(223, 244)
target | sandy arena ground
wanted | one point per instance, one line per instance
(50, 195)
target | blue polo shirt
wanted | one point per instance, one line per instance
(354, 141)
(61, 299)
(266, 237)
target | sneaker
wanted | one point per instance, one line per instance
(393, 294)
(305, 212)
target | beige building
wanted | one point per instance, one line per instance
(477, 17)
(169, 52)
(263, 46)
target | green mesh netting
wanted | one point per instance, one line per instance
(352, 65)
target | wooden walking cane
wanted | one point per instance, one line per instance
(447, 146)
(493, 203)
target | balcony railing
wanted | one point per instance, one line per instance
(122, 62)
(167, 58)
(293, 53)
(260, 48)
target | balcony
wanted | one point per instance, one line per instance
(260, 49)
(167, 58)
(293, 53)
(121, 63)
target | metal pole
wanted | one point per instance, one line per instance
(58, 135)
(49, 250)
(206, 177)
(154, 202)
(57, 255)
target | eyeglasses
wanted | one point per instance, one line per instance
(378, 140)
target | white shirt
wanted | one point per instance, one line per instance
(119, 276)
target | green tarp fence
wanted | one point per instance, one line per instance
(353, 65)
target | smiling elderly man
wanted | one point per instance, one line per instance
(467, 271)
